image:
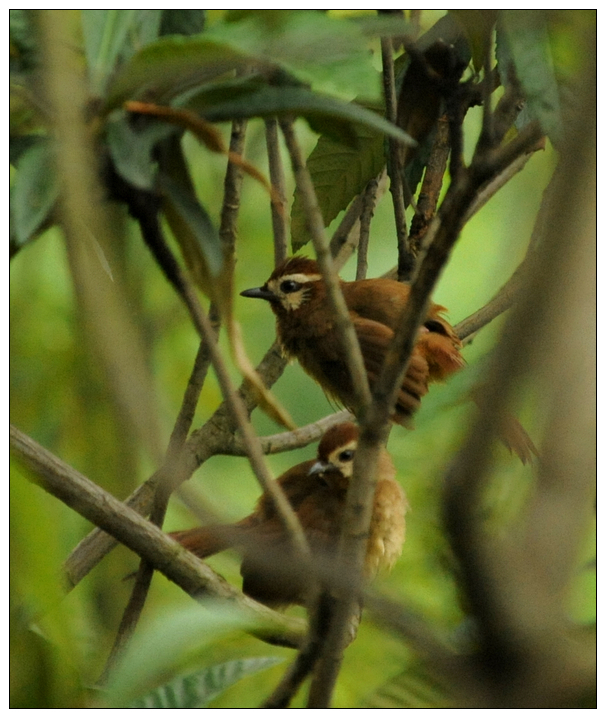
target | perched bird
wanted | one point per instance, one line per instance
(316, 490)
(305, 327)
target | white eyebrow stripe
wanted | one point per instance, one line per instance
(301, 278)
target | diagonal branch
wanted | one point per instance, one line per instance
(141, 536)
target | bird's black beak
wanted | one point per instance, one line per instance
(259, 293)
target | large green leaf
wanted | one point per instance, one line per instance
(260, 100)
(162, 650)
(170, 66)
(23, 41)
(523, 41)
(111, 36)
(199, 689)
(339, 173)
(34, 191)
(328, 53)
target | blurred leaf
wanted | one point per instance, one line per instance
(194, 231)
(339, 173)
(204, 131)
(162, 649)
(523, 43)
(34, 191)
(18, 144)
(23, 42)
(199, 689)
(419, 687)
(182, 22)
(478, 26)
(382, 25)
(132, 149)
(312, 47)
(171, 65)
(329, 53)
(254, 100)
(114, 35)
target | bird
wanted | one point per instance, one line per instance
(305, 327)
(316, 490)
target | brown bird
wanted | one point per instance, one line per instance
(316, 490)
(305, 328)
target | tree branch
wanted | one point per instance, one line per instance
(279, 220)
(145, 539)
(394, 164)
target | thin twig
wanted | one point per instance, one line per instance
(394, 164)
(343, 323)
(432, 185)
(370, 200)
(279, 220)
(346, 237)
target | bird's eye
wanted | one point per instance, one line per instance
(434, 326)
(289, 286)
(346, 455)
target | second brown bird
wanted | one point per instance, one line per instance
(316, 490)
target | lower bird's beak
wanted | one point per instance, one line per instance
(320, 467)
(259, 293)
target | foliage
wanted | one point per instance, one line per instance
(162, 174)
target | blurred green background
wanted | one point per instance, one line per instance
(58, 396)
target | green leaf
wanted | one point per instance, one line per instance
(182, 22)
(268, 101)
(23, 42)
(131, 149)
(199, 689)
(420, 686)
(162, 650)
(339, 173)
(194, 230)
(111, 36)
(329, 53)
(34, 191)
(314, 48)
(523, 41)
(18, 144)
(170, 66)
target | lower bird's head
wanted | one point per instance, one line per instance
(292, 284)
(337, 449)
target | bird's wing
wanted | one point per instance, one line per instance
(374, 339)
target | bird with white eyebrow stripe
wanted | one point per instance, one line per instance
(305, 328)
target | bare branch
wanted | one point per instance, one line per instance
(394, 164)
(141, 536)
(279, 220)
(370, 200)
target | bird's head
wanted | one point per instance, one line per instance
(291, 285)
(337, 449)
